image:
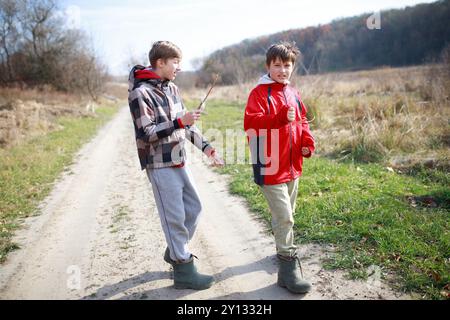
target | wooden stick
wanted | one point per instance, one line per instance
(202, 105)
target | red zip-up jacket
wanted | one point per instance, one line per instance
(275, 143)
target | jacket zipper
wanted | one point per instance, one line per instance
(290, 140)
(290, 148)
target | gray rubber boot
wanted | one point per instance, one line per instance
(185, 276)
(167, 257)
(290, 277)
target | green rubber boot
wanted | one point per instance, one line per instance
(289, 276)
(185, 276)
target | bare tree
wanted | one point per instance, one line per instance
(95, 75)
(37, 49)
(44, 39)
(8, 37)
(40, 25)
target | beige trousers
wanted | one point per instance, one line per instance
(281, 199)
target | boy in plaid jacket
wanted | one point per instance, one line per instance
(162, 125)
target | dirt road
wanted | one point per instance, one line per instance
(98, 236)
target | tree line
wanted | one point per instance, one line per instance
(409, 36)
(37, 48)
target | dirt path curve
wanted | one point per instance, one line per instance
(99, 237)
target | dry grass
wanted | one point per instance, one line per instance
(44, 95)
(395, 115)
(225, 93)
(116, 90)
(27, 113)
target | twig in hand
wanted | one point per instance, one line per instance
(202, 105)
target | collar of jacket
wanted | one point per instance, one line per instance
(267, 80)
(140, 73)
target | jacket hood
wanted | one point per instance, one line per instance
(141, 73)
(266, 79)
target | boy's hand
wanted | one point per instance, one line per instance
(291, 114)
(217, 161)
(305, 151)
(190, 117)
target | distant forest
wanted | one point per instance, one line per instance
(401, 37)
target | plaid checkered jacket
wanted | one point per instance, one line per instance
(156, 107)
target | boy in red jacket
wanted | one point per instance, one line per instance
(279, 137)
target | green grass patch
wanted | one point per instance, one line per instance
(374, 216)
(28, 171)
(221, 115)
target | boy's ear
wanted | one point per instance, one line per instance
(160, 63)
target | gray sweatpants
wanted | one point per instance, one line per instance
(178, 206)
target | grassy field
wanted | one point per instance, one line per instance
(377, 188)
(28, 169)
(396, 218)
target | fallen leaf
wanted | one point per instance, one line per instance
(430, 202)
(359, 264)
(436, 276)
(412, 201)
(396, 257)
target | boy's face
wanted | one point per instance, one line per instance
(280, 71)
(168, 69)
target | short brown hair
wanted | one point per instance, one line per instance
(286, 51)
(163, 50)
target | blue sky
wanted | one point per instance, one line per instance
(121, 29)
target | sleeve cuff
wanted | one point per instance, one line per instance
(209, 151)
(178, 124)
(309, 154)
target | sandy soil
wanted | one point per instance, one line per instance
(98, 236)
